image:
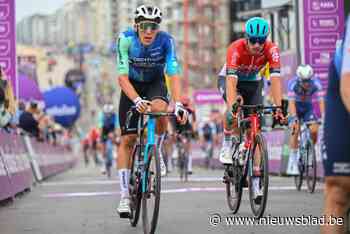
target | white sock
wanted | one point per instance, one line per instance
(292, 162)
(189, 164)
(227, 141)
(256, 184)
(124, 182)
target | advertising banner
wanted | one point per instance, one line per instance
(323, 26)
(8, 39)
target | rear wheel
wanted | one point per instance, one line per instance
(151, 198)
(311, 168)
(258, 204)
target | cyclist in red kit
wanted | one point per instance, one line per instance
(239, 77)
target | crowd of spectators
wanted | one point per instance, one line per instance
(27, 117)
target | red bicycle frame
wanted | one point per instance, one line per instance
(254, 122)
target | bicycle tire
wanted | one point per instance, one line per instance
(298, 179)
(135, 189)
(153, 180)
(259, 209)
(234, 186)
(311, 169)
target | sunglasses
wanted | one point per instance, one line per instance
(259, 40)
(144, 26)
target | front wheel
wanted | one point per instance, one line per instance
(311, 167)
(234, 186)
(298, 179)
(151, 197)
(258, 203)
(135, 187)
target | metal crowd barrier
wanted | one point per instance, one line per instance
(24, 161)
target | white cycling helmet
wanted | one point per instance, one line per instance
(145, 12)
(305, 72)
(107, 108)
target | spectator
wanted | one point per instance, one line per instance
(28, 122)
(7, 108)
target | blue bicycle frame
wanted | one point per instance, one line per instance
(151, 127)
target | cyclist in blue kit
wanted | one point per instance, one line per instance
(301, 91)
(336, 154)
(145, 55)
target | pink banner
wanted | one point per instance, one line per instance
(8, 39)
(207, 96)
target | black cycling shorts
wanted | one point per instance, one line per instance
(105, 133)
(251, 91)
(148, 90)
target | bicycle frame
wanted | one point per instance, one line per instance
(151, 127)
(254, 122)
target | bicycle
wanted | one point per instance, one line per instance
(182, 161)
(307, 158)
(109, 150)
(145, 175)
(237, 174)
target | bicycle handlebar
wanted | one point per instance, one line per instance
(133, 110)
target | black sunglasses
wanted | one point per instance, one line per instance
(148, 25)
(260, 40)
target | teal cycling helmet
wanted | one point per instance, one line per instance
(257, 27)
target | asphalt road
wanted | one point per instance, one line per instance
(82, 201)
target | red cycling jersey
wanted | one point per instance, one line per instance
(244, 65)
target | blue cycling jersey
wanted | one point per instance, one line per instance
(305, 91)
(337, 118)
(146, 63)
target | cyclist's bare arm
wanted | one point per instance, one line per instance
(231, 90)
(127, 87)
(175, 87)
(276, 90)
(345, 89)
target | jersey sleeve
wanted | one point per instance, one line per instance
(319, 93)
(123, 54)
(222, 72)
(232, 61)
(345, 68)
(172, 65)
(100, 120)
(274, 59)
(291, 93)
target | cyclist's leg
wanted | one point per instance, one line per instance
(229, 126)
(292, 167)
(188, 152)
(128, 137)
(252, 95)
(158, 94)
(337, 202)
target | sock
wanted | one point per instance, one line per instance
(227, 138)
(292, 162)
(124, 182)
(189, 164)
